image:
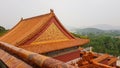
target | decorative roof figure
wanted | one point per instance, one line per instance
(51, 10)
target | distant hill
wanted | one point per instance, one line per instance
(105, 27)
(89, 30)
(101, 29)
(96, 31)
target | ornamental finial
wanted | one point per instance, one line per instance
(21, 18)
(51, 10)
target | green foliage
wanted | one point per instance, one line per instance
(84, 37)
(76, 35)
(2, 30)
(80, 36)
(103, 43)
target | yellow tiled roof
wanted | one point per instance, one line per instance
(25, 29)
(39, 29)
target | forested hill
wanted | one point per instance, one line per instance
(89, 30)
(102, 41)
(96, 31)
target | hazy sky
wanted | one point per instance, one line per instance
(75, 13)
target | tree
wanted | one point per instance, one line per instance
(2, 29)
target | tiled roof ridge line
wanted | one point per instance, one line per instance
(64, 29)
(37, 59)
(51, 12)
(35, 16)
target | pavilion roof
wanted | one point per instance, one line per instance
(41, 34)
(25, 29)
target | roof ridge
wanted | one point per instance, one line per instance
(35, 16)
(51, 12)
(61, 25)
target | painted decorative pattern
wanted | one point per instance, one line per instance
(51, 34)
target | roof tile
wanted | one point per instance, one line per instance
(48, 47)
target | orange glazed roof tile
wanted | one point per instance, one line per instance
(25, 29)
(48, 47)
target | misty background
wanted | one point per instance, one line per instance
(103, 14)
